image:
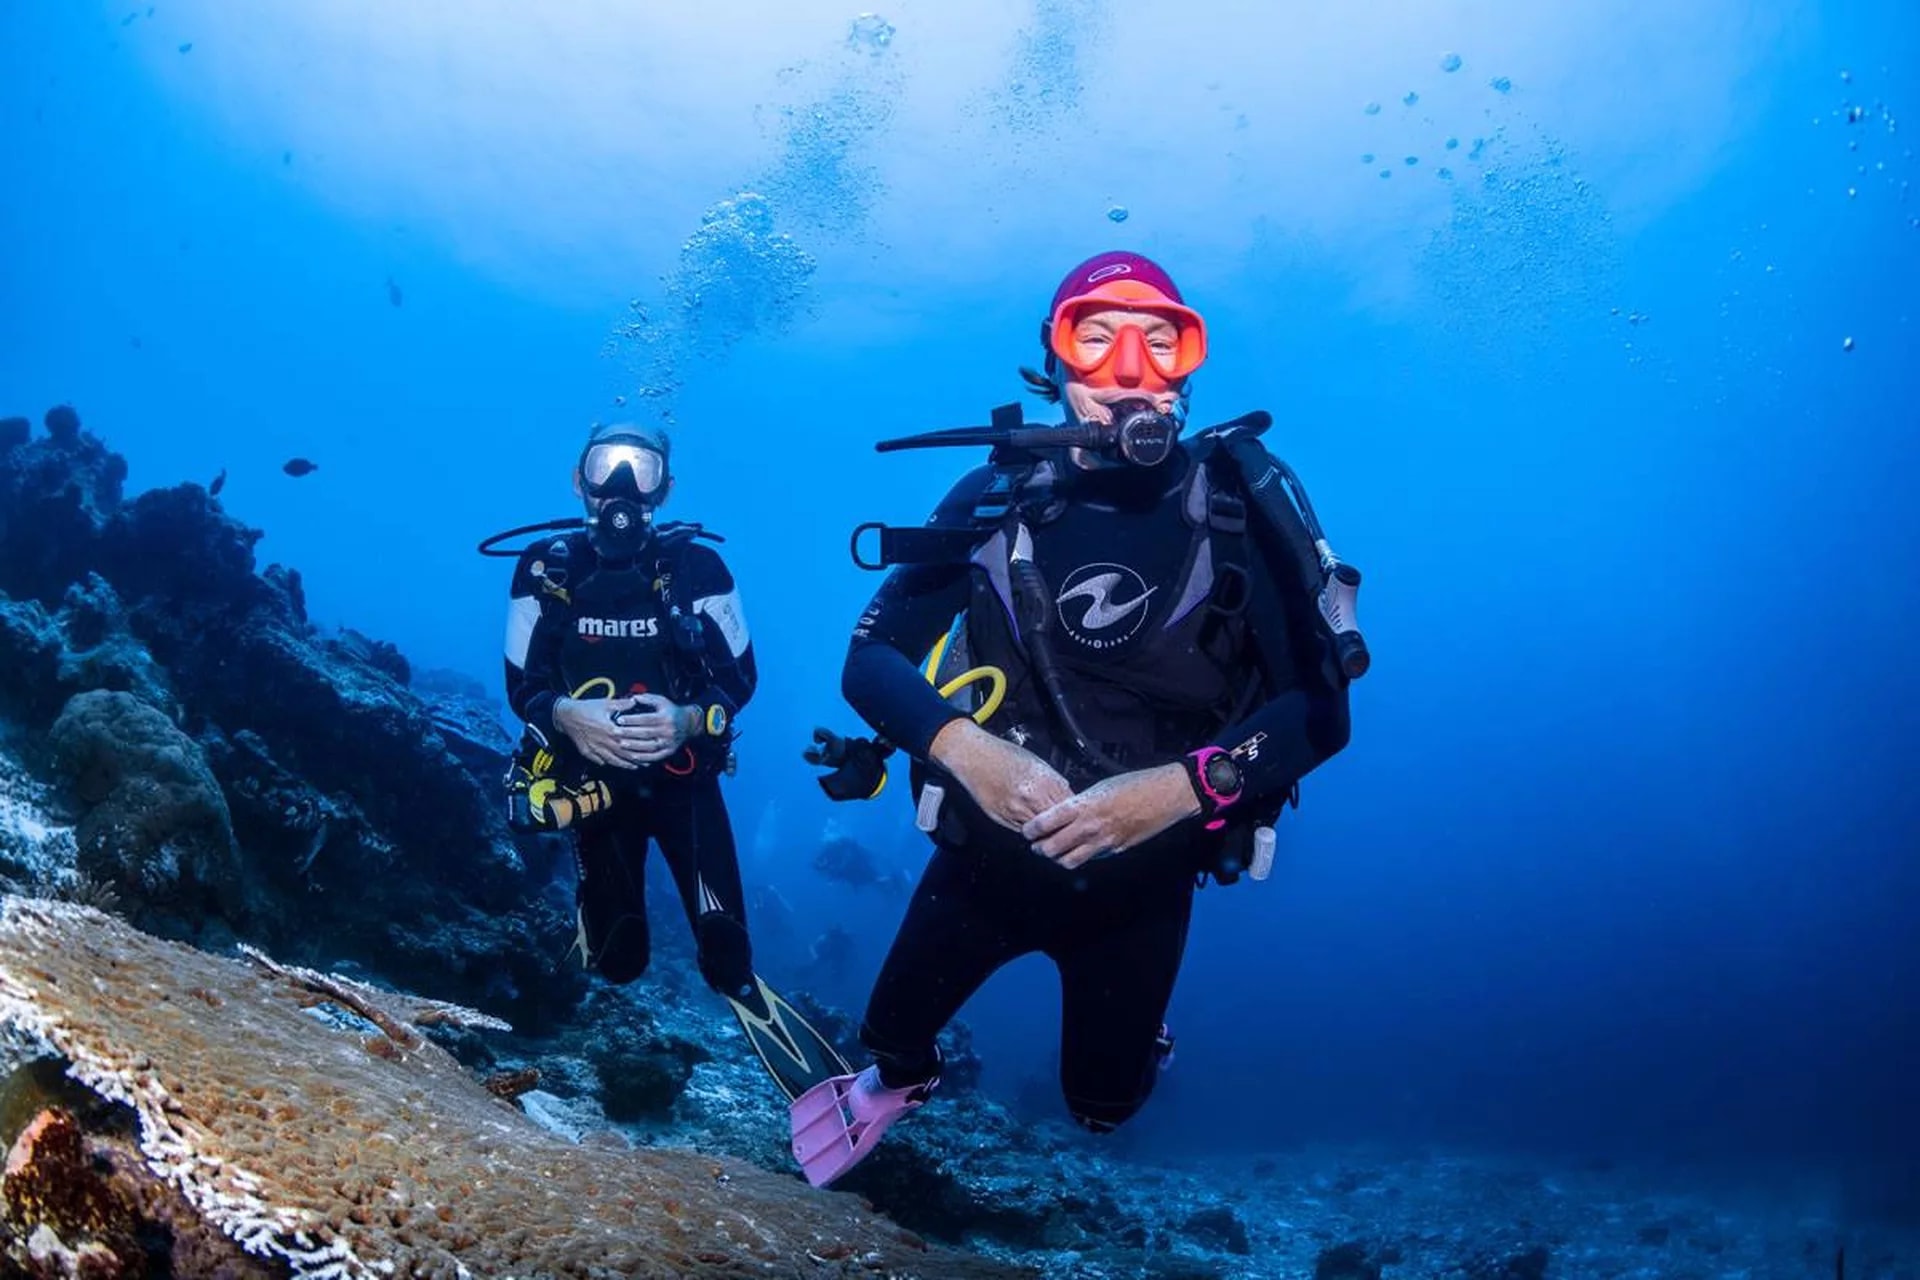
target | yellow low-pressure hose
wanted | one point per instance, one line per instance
(994, 696)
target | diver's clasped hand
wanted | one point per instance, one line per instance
(592, 726)
(1023, 793)
(1009, 783)
(1113, 815)
(623, 733)
(663, 726)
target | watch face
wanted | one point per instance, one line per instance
(1223, 775)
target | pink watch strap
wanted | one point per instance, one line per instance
(1200, 759)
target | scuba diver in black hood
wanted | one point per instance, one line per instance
(628, 658)
(1111, 655)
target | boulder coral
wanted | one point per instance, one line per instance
(156, 820)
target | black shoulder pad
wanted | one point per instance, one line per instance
(546, 560)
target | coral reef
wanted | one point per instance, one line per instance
(315, 821)
(348, 1155)
(37, 848)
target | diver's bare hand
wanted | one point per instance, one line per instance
(664, 726)
(1113, 816)
(590, 725)
(1009, 783)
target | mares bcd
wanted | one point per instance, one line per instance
(548, 786)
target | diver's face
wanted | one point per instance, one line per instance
(594, 504)
(1123, 348)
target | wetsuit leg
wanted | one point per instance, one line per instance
(696, 838)
(957, 932)
(610, 855)
(1117, 971)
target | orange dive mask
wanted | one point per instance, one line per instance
(1127, 356)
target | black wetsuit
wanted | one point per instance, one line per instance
(579, 628)
(1152, 673)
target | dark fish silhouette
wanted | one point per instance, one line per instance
(219, 483)
(853, 864)
(187, 47)
(286, 157)
(300, 467)
(393, 292)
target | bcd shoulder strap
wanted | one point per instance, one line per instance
(1246, 464)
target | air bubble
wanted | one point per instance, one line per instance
(870, 32)
(1117, 214)
(1451, 62)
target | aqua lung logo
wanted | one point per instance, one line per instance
(619, 628)
(1103, 605)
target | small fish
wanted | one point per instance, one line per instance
(219, 483)
(187, 47)
(300, 467)
(126, 21)
(135, 340)
(393, 292)
(286, 157)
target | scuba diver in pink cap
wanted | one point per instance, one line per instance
(1111, 655)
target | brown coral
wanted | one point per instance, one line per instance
(305, 1148)
(75, 1206)
(47, 1181)
(511, 1084)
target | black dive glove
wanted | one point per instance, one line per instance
(859, 764)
